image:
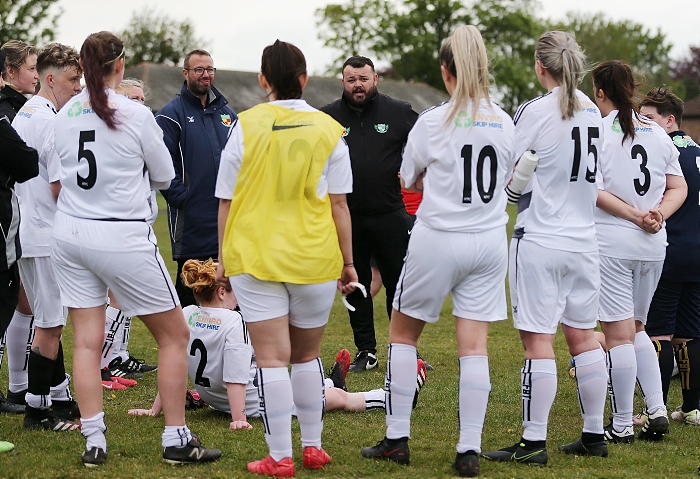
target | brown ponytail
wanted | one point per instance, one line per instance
(282, 66)
(97, 56)
(617, 82)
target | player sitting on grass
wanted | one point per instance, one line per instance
(222, 362)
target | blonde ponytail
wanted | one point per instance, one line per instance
(561, 56)
(464, 55)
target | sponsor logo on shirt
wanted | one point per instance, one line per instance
(346, 131)
(75, 109)
(638, 127)
(589, 107)
(226, 119)
(463, 120)
(680, 141)
(78, 108)
(203, 322)
(26, 111)
(381, 127)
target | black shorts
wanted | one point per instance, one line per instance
(675, 310)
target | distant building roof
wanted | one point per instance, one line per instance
(242, 90)
(691, 108)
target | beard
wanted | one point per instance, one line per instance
(361, 104)
(198, 89)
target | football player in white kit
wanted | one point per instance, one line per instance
(222, 362)
(640, 184)
(118, 367)
(461, 155)
(101, 241)
(554, 272)
(60, 75)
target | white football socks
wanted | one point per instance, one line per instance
(275, 391)
(93, 430)
(309, 399)
(592, 380)
(400, 389)
(622, 371)
(539, 387)
(648, 373)
(474, 390)
(18, 343)
(176, 436)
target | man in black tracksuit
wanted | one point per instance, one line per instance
(376, 129)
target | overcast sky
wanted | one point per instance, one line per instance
(238, 30)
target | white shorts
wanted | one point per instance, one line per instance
(42, 291)
(138, 277)
(548, 286)
(626, 288)
(472, 266)
(308, 305)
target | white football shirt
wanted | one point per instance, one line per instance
(556, 208)
(219, 352)
(467, 162)
(336, 177)
(634, 171)
(35, 123)
(102, 170)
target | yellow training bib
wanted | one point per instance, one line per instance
(278, 229)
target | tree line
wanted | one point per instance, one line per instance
(405, 35)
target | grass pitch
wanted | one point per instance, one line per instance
(134, 442)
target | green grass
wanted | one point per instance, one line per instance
(134, 442)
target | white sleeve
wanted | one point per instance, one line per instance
(237, 352)
(53, 161)
(415, 154)
(230, 164)
(339, 175)
(673, 167)
(158, 161)
(525, 132)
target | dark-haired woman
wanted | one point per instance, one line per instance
(640, 184)
(101, 240)
(284, 241)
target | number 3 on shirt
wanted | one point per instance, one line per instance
(592, 149)
(87, 182)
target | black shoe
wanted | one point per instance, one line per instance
(518, 453)
(193, 452)
(467, 464)
(655, 427)
(428, 366)
(364, 360)
(18, 397)
(193, 400)
(119, 369)
(40, 419)
(626, 436)
(389, 449)
(594, 449)
(138, 365)
(94, 457)
(9, 407)
(66, 410)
